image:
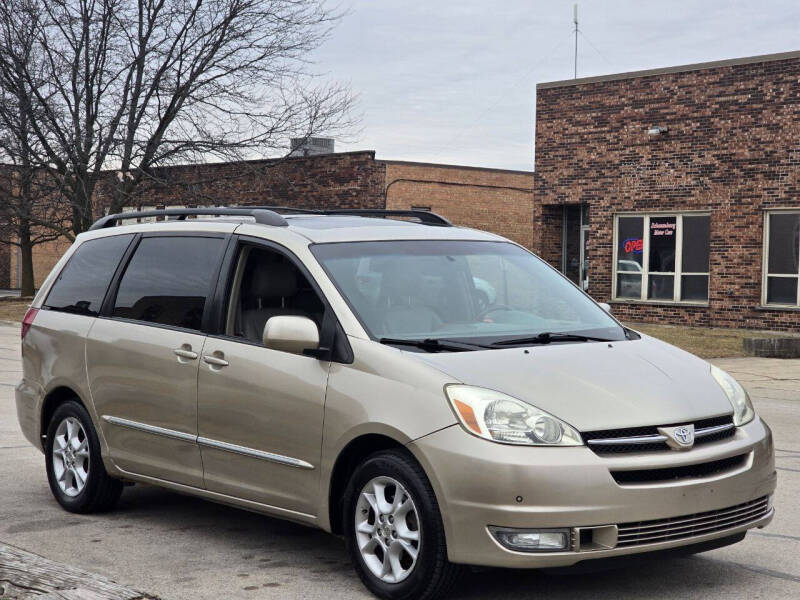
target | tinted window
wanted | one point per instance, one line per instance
(83, 282)
(695, 244)
(168, 280)
(630, 248)
(662, 244)
(784, 241)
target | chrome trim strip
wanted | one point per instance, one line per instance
(245, 451)
(655, 439)
(706, 431)
(643, 439)
(169, 433)
(209, 443)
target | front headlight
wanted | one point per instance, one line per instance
(501, 418)
(743, 411)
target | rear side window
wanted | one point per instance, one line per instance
(168, 280)
(83, 282)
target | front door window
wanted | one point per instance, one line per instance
(575, 244)
(584, 281)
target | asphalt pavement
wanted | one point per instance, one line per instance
(180, 548)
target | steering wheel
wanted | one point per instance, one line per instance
(497, 307)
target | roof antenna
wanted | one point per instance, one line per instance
(575, 20)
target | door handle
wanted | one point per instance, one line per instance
(214, 361)
(185, 351)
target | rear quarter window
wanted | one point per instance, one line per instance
(168, 281)
(83, 282)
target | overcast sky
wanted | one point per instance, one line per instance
(455, 81)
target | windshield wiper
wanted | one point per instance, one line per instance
(547, 337)
(433, 344)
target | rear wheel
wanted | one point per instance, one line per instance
(75, 470)
(394, 531)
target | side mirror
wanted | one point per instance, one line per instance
(605, 306)
(291, 334)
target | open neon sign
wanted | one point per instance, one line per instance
(633, 245)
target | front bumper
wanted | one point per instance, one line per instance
(480, 484)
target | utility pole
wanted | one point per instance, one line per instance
(575, 20)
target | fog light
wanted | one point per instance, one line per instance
(532, 540)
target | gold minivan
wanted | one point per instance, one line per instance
(439, 396)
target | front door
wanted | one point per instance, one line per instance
(575, 244)
(142, 358)
(260, 411)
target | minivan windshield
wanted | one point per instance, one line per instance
(467, 292)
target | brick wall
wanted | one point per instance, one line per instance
(732, 148)
(343, 180)
(45, 256)
(492, 199)
(5, 266)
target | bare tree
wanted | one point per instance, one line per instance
(29, 206)
(131, 85)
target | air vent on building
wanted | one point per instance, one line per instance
(311, 146)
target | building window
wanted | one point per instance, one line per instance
(662, 257)
(781, 245)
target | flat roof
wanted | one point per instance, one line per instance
(413, 163)
(678, 69)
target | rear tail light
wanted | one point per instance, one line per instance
(27, 321)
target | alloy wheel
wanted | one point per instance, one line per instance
(387, 527)
(70, 456)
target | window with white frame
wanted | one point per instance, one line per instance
(781, 264)
(661, 257)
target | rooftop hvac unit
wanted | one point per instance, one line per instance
(311, 146)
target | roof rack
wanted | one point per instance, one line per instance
(261, 215)
(425, 217)
(268, 215)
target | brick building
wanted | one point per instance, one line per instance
(468, 195)
(674, 193)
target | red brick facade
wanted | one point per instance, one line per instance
(731, 148)
(493, 199)
(5, 265)
(343, 180)
(490, 199)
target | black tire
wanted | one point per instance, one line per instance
(100, 492)
(433, 575)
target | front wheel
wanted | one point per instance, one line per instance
(75, 468)
(394, 531)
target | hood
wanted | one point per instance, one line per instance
(596, 385)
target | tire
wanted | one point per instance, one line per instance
(429, 575)
(76, 461)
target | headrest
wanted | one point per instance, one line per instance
(273, 280)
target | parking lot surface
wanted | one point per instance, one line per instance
(175, 547)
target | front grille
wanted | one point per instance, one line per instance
(705, 432)
(706, 469)
(686, 526)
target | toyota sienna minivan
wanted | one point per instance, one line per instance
(438, 396)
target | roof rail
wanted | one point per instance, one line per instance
(261, 215)
(425, 217)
